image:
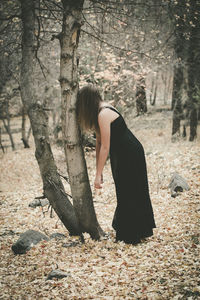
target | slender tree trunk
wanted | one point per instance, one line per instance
(76, 165)
(169, 85)
(155, 93)
(24, 136)
(8, 129)
(7, 125)
(177, 99)
(166, 81)
(1, 145)
(52, 184)
(153, 90)
(141, 100)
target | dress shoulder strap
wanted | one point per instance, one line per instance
(110, 107)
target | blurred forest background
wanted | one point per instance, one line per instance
(142, 55)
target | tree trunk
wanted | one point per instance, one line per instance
(155, 94)
(166, 81)
(24, 136)
(181, 52)
(186, 20)
(1, 145)
(154, 90)
(7, 118)
(76, 165)
(8, 129)
(52, 184)
(194, 68)
(168, 94)
(141, 100)
(177, 99)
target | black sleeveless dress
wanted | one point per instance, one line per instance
(133, 218)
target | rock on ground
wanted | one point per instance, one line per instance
(57, 274)
(38, 202)
(27, 240)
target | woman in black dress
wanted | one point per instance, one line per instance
(133, 219)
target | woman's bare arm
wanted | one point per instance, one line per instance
(103, 145)
(98, 145)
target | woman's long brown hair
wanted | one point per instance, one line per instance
(87, 107)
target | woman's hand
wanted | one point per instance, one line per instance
(98, 182)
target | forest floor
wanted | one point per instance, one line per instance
(165, 266)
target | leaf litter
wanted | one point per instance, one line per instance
(165, 266)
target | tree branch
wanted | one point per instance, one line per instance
(115, 47)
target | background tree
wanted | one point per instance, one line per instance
(185, 17)
(9, 62)
(193, 62)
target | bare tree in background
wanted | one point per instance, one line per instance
(186, 18)
(193, 62)
(5, 117)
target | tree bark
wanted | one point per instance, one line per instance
(194, 68)
(177, 99)
(1, 145)
(186, 20)
(76, 164)
(141, 100)
(7, 126)
(24, 136)
(181, 52)
(153, 90)
(52, 184)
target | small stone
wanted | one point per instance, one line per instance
(72, 244)
(57, 274)
(38, 202)
(57, 236)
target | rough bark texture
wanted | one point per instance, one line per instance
(53, 187)
(77, 170)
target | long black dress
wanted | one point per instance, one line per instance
(133, 218)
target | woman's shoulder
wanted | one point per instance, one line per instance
(104, 111)
(107, 113)
(105, 105)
